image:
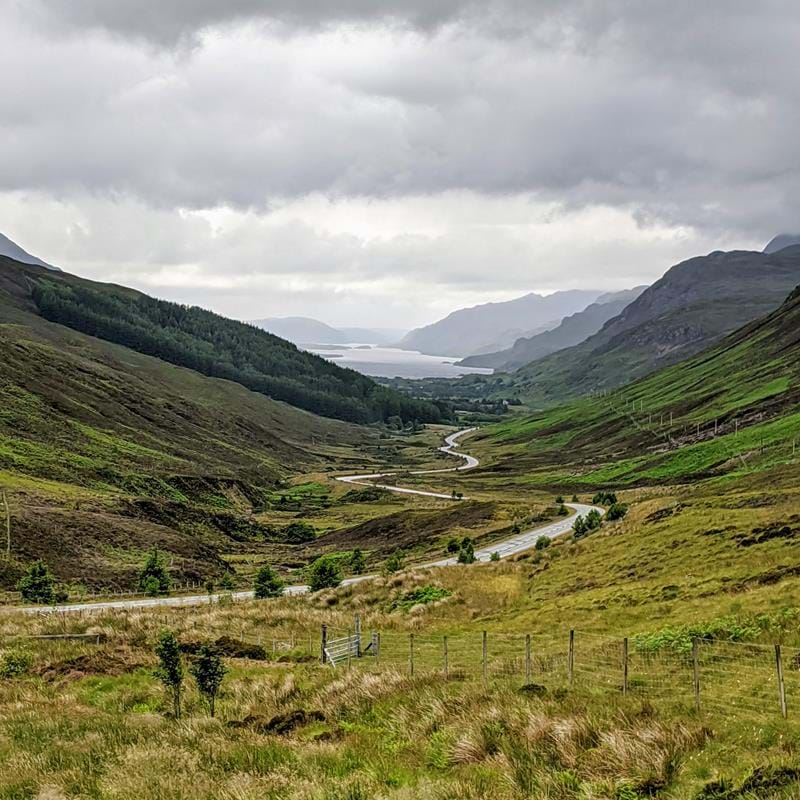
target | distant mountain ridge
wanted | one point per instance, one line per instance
(13, 250)
(495, 325)
(782, 241)
(572, 330)
(689, 309)
(306, 330)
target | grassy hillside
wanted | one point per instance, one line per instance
(208, 343)
(105, 451)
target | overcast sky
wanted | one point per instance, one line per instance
(383, 163)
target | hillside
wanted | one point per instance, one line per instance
(572, 330)
(495, 325)
(693, 306)
(11, 249)
(208, 343)
(105, 452)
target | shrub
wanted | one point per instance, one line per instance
(466, 555)
(616, 511)
(575, 499)
(358, 564)
(14, 663)
(170, 668)
(267, 583)
(562, 511)
(494, 556)
(393, 564)
(154, 578)
(208, 670)
(38, 584)
(593, 520)
(453, 546)
(227, 582)
(300, 533)
(542, 543)
(604, 498)
(559, 501)
(420, 596)
(324, 573)
(579, 527)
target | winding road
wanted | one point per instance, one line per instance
(505, 548)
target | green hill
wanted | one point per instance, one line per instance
(208, 343)
(105, 451)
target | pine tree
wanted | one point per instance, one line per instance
(267, 583)
(170, 668)
(154, 578)
(38, 585)
(358, 564)
(324, 573)
(208, 670)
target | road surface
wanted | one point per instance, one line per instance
(505, 548)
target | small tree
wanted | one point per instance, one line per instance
(579, 527)
(593, 520)
(208, 670)
(170, 668)
(466, 555)
(300, 533)
(562, 511)
(575, 499)
(358, 564)
(494, 556)
(453, 546)
(542, 543)
(227, 582)
(154, 578)
(267, 583)
(38, 584)
(616, 511)
(324, 573)
(393, 564)
(559, 500)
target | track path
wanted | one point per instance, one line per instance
(505, 548)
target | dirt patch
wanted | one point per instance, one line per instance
(228, 647)
(102, 662)
(663, 513)
(280, 724)
(777, 530)
(761, 784)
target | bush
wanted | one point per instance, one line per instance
(420, 596)
(324, 573)
(494, 556)
(227, 582)
(616, 511)
(466, 555)
(542, 542)
(575, 499)
(562, 511)
(300, 533)
(154, 578)
(604, 498)
(267, 583)
(559, 501)
(593, 520)
(393, 564)
(14, 663)
(358, 564)
(579, 527)
(453, 546)
(38, 584)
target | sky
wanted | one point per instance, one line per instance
(382, 163)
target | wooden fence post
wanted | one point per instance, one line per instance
(324, 642)
(484, 650)
(411, 653)
(378, 647)
(527, 658)
(625, 665)
(781, 686)
(350, 640)
(358, 635)
(571, 656)
(445, 654)
(696, 673)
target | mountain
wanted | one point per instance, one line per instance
(690, 308)
(106, 452)
(571, 331)
(12, 250)
(214, 346)
(781, 241)
(495, 325)
(305, 331)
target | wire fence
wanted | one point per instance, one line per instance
(716, 677)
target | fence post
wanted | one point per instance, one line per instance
(696, 674)
(378, 647)
(484, 650)
(625, 665)
(527, 658)
(350, 640)
(324, 642)
(444, 652)
(411, 653)
(781, 686)
(571, 655)
(358, 635)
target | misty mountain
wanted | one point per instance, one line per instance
(781, 241)
(305, 330)
(572, 330)
(13, 250)
(495, 325)
(694, 305)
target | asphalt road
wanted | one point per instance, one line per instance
(505, 548)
